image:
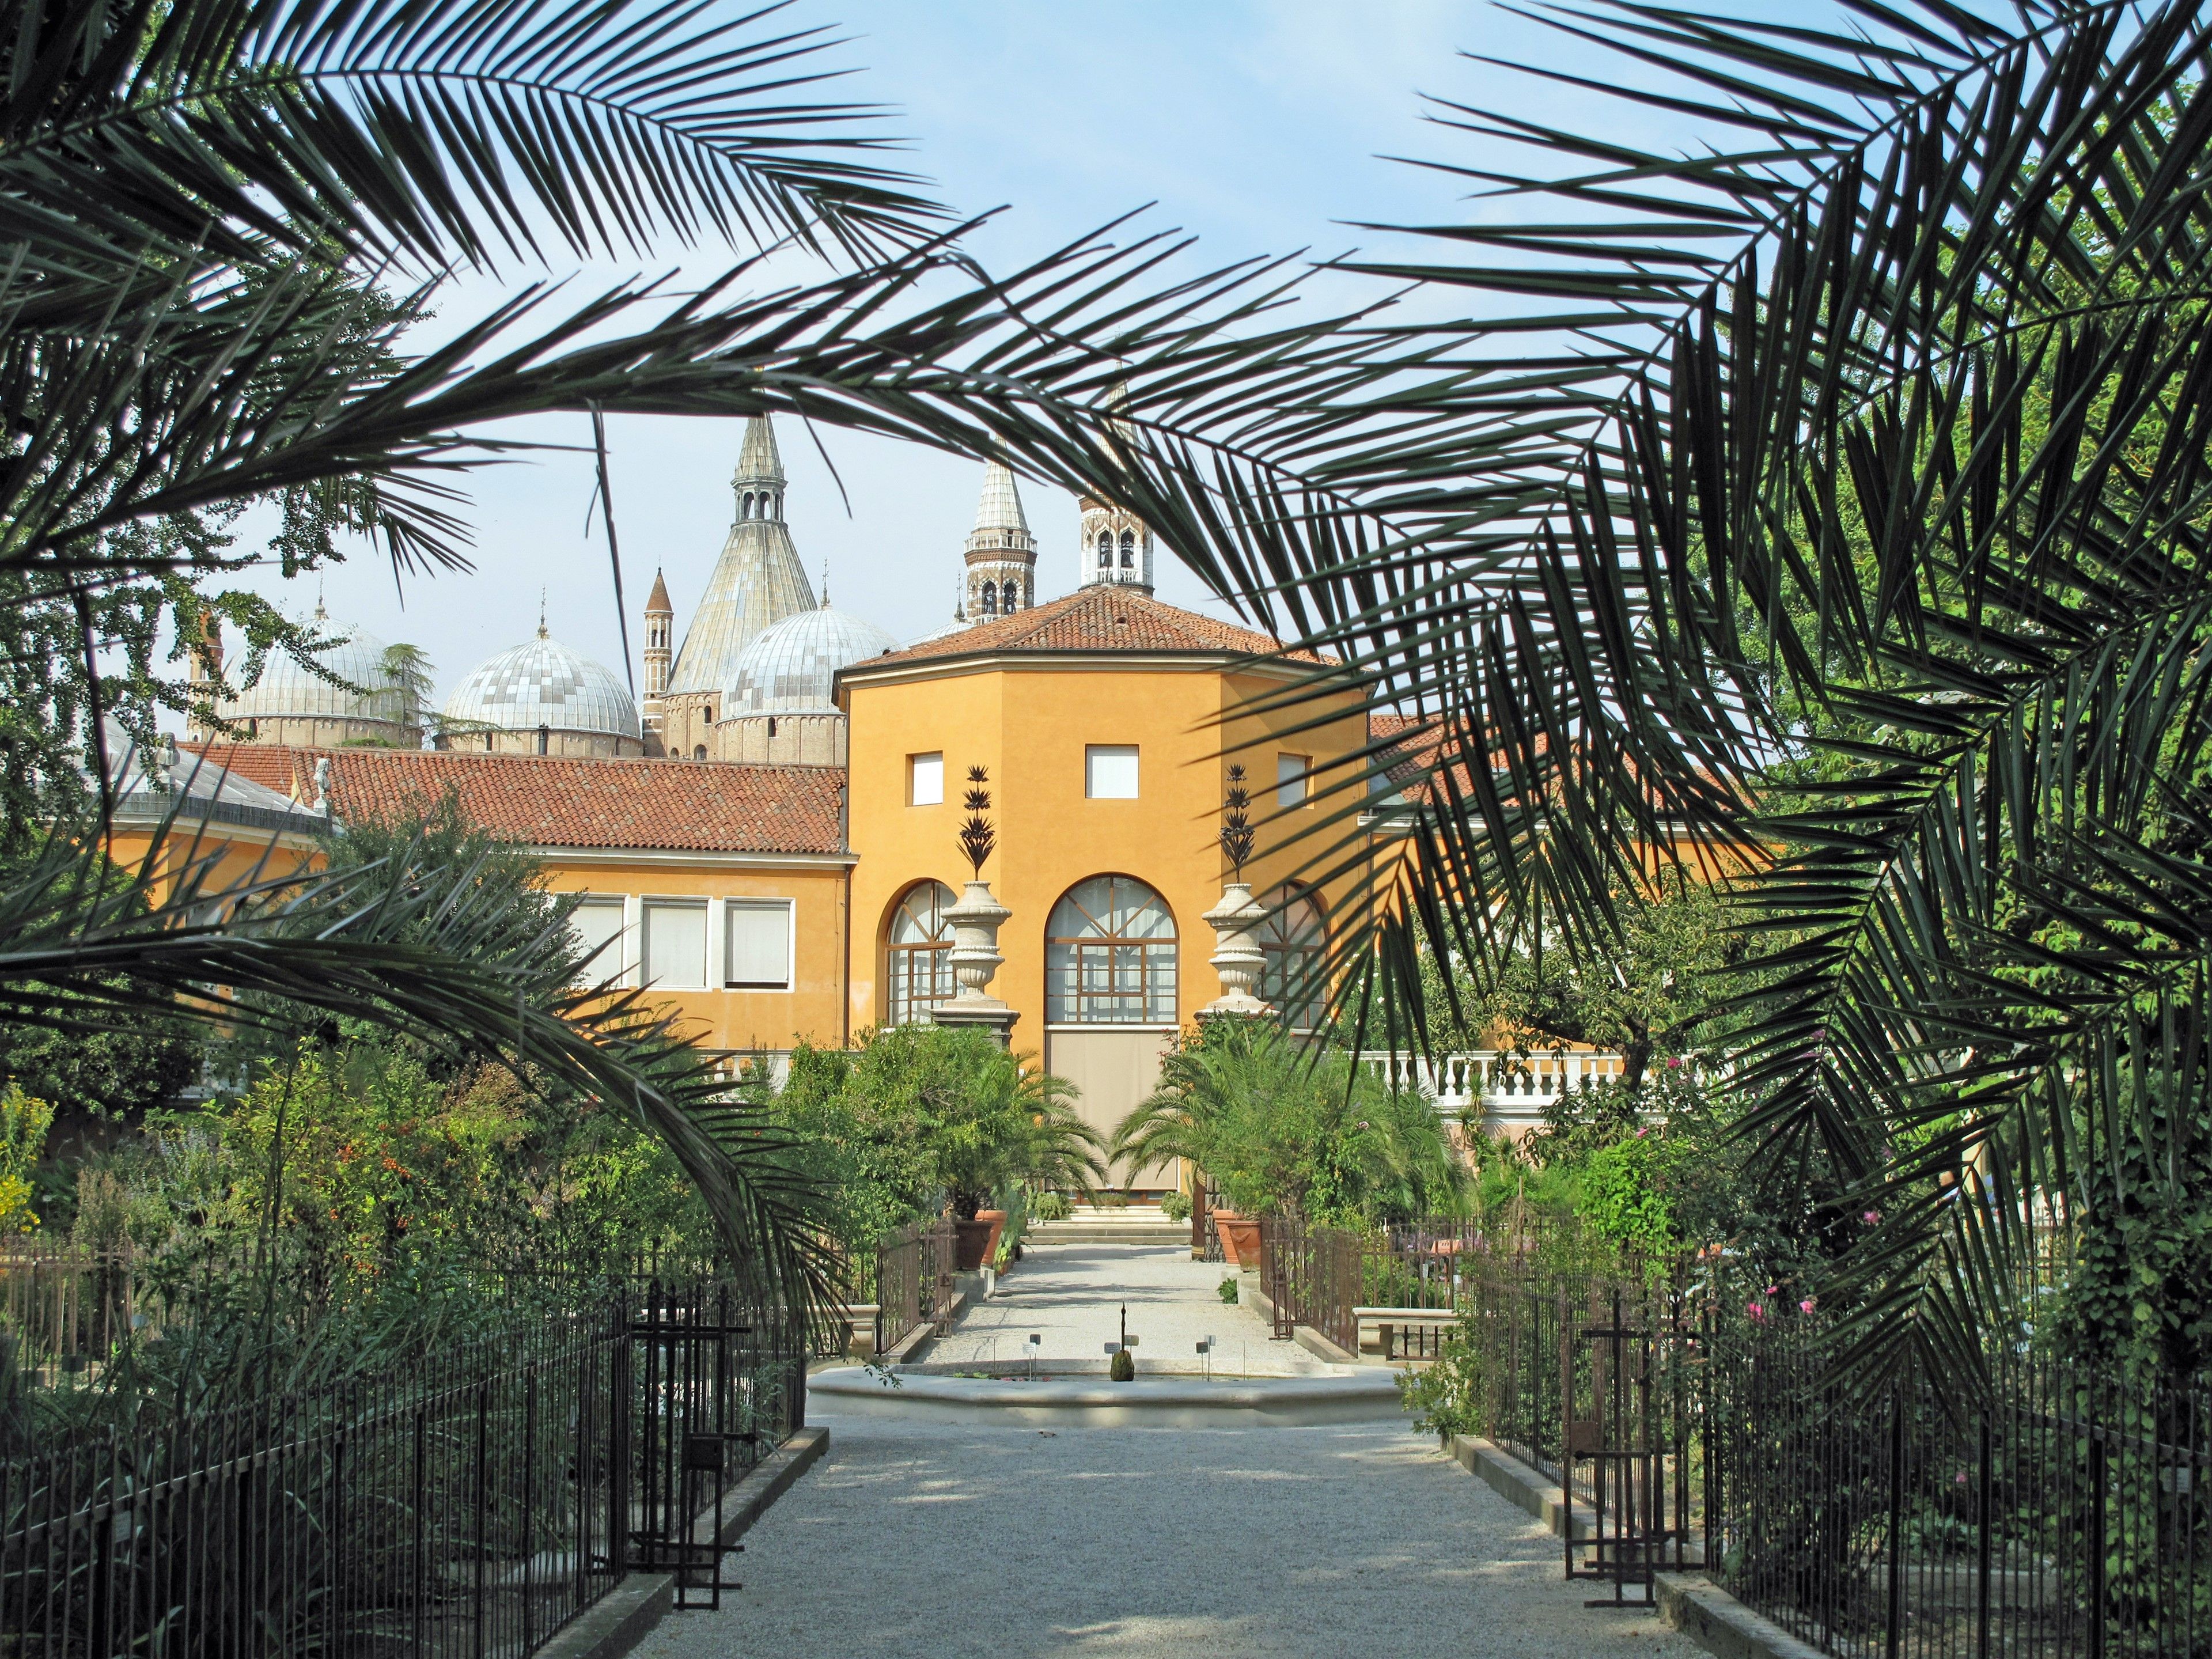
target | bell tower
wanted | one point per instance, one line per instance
(660, 631)
(1001, 577)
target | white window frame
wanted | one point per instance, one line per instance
(752, 902)
(917, 768)
(651, 901)
(1293, 778)
(1093, 753)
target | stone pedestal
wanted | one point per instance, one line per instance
(1237, 957)
(976, 923)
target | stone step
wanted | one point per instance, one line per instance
(1131, 1226)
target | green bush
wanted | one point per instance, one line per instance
(1124, 1368)
(1229, 1288)
(1175, 1206)
(1279, 1128)
(1051, 1206)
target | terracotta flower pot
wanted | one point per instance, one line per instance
(970, 1240)
(1240, 1237)
(998, 1220)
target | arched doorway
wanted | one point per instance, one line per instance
(918, 954)
(1111, 981)
(1294, 942)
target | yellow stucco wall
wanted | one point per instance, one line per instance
(812, 1009)
(239, 854)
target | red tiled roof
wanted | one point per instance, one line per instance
(1096, 618)
(552, 800)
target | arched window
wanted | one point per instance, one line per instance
(1105, 550)
(918, 956)
(700, 753)
(1294, 940)
(1109, 956)
(990, 598)
(748, 510)
(1013, 595)
(1129, 549)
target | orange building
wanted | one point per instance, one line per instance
(776, 903)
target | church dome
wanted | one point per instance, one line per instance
(790, 665)
(286, 690)
(543, 682)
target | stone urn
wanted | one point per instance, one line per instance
(976, 923)
(1237, 957)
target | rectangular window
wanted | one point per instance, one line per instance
(1291, 779)
(596, 927)
(676, 944)
(925, 779)
(759, 944)
(1109, 771)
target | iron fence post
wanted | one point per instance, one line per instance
(2096, 1541)
(1895, 1637)
(422, 1502)
(529, 1506)
(482, 1514)
(1985, 1537)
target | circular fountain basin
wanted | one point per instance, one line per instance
(1067, 1394)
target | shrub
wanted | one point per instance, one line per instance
(1229, 1288)
(1279, 1128)
(1175, 1206)
(1124, 1368)
(1052, 1206)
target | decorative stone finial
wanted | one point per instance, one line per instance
(1237, 957)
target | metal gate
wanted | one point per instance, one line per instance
(1623, 1410)
(718, 1385)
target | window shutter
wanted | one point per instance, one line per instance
(760, 944)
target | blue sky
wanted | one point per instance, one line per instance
(1257, 125)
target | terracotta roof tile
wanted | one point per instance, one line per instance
(551, 800)
(1096, 619)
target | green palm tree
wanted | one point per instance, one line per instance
(1838, 510)
(1277, 1126)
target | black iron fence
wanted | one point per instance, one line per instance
(2068, 1514)
(2065, 1513)
(1313, 1276)
(471, 1505)
(912, 1281)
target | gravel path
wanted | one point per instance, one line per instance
(915, 1538)
(1072, 1295)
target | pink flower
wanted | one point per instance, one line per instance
(1806, 1306)
(1871, 1217)
(1959, 1478)
(1754, 1310)
(1773, 1290)
(1674, 1062)
(1640, 1134)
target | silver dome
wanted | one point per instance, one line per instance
(287, 690)
(789, 667)
(544, 683)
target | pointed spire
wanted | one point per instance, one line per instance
(541, 614)
(1000, 507)
(656, 603)
(825, 584)
(758, 461)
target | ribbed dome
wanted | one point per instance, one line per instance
(286, 690)
(789, 667)
(544, 683)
